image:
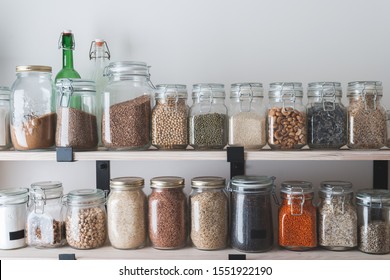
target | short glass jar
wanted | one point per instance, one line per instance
(247, 116)
(5, 138)
(127, 213)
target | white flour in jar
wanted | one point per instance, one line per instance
(12, 226)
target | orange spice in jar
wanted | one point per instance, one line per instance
(297, 216)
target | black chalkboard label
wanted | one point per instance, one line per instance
(15, 235)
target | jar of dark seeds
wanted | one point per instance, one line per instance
(337, 217)
(366, 116)
(208, 122)
(373, 206)
(170, 117)
(127, 102)
(76, 114)
(45, 227)
(286, 116)
(167, 213)
(247, 116)
(209, 213)
(86, 219)
(326, 116)
(251, 213)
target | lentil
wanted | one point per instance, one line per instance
(247, 129)
(208, 131)
(375, 237)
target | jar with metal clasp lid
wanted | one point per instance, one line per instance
(5, 138)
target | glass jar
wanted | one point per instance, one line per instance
(33, 117)
(326, 116)
(286, 116)
(45, 227)
(247, 116)
(209, 213)
(208, 117)
(167, 213)
(170, 117)
(367, 127)
(127, 103)
(5, 138)
(76, 114)
(297, 216)
(388, 129)
(251, 213)
(86, 218)
(13, 212)
(373, 208)
(126, 213)
(337, 217)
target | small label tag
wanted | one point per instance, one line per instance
(15, 235)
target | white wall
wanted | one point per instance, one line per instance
(203, 41)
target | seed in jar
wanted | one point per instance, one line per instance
(247, 129)
(208, 131)
(375, 237)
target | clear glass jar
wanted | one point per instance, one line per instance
(208, 122)
(127, 103)
(45, 227)
(167, 213)
(247, 116)
(76, 114)
(326, 116)
(367, 117)
(373, 208)
(251, 213)
(13, 213)
(337, 217)
(170, 117)
(286, 116)
(126, 213)
(209, 213)
(86, 220)
(5, 138)
(388, 129)
(297, 216)
(33, 117)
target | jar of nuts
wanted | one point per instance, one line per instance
(286, 116)
(170, 117)
(247, 116)
(86, 226)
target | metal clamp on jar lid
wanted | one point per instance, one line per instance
(208, 182)
(366, 89)
(297, 190)
(166, 182)
(206, 92)
(66, 88)
(335, 188)
(46, 190)
(286, 91)
(373, 198)
(123, 183)
(127, 68)
(13, 196)
(245, 92)
(33, 68)
(88, 197)
(174, 91)
(326, 92)
(253, 184)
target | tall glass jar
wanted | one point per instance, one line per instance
(326, 116)
(247, 116)
(286, 116)
(373, 208)
(167, 213)
(45, 226)
(76, 114)
(86, 220)
(297, 216)
(209, 213)
(208, 117)
(33, 117)
(127, 103)
(251, 213)
(366, 116)
(5, 138)
(337, 217)
(126, 213)
(170, 117)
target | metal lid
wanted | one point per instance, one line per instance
(130, 68)
(324, 89)
(246, 90)
(4, 93)
(252, 183)
(365, 87)
(76, 85)
(205, 182)
(204, 90)
(167, 182)
(33, 68)
(46, 189)
(171, 90)
(374, 198)
(126, 182)
(13, 196)
(281, 89)
(86, 197)
(296, 187)
(335, 188)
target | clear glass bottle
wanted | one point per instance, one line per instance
(5, 138)
(297, 216)
(247, 116)
(373, 206)
(45, 227)
(286, 116)
(86, 219)
(337, 217)
(76, 114)
(366, 116)
(33, 117)
(170, 117)
(127, 103)
(208, 123)
(326, 116)
(167, 213)
(66, 42)
(209, 213)
(127, 213)
(251, 213)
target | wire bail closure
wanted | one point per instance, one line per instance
(92, 53)
(243, 97)
(289, 95)
(66, 91)
(328, 96)
(60, 42)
